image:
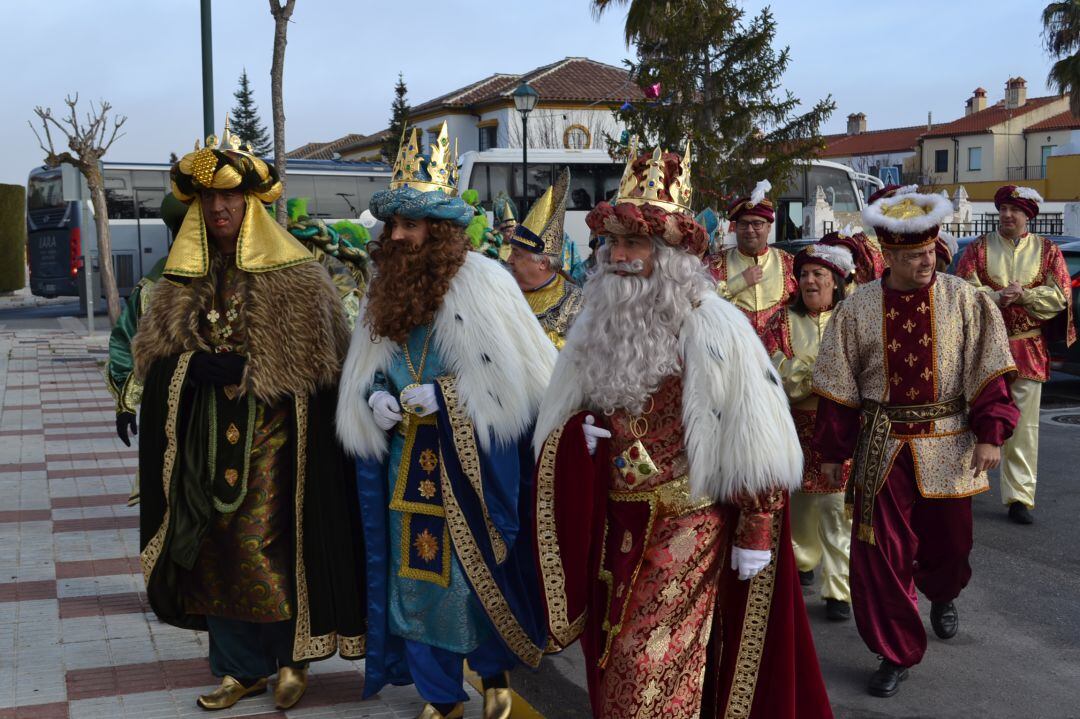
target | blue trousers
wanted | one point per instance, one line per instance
(438, 673)
(250, 650)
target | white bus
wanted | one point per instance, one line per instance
(60, 233)
(594, 176)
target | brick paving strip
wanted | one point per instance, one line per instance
(74, 619)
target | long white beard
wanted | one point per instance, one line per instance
(631, 334)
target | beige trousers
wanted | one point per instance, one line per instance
(1020, 454)
(821, 532)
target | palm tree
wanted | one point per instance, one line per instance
(1061, 32)
(640, 15)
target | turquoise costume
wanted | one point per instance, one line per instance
(420, 609)
(448, 559)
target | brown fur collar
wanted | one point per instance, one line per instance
(295, 328)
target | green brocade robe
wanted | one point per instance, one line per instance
(322, 576)
(249, 507)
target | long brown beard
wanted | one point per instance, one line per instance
(409, 284)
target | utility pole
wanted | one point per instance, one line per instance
(207, 70)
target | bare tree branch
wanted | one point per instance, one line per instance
(88, 142)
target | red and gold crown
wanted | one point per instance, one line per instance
(661, 179)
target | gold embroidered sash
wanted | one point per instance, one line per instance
(868, 470)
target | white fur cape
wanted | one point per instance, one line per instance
(486, 336)
(739, 433)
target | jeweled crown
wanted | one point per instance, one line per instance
(204, 163)
(427, 173)
(645, 190)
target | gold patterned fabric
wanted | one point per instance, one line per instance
(556, 306)
(966, 348)
(243, 571)
(764, 299)
(658, 659)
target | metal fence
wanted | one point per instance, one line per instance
(1052, 224)
(1027, 172)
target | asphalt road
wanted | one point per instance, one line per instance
(1017, 654)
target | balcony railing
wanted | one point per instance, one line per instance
(1027, 172)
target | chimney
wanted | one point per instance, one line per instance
(1015, 93)
(975, 103)
(856, 123)
(929, 121)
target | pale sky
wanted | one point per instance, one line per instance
(893, 61)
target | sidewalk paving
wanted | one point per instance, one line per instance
(77, 638)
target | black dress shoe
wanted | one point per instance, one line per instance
(1020, 514)
(944, 619)
(836, 610)
(886, 680)
(806, 578)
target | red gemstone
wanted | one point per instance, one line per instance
(631, 478)
(634, 454)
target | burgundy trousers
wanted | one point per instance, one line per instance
(921, 544)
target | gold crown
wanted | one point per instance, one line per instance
(441, 165)
(203, 161)
(646, 190)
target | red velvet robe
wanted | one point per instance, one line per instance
(615, 572)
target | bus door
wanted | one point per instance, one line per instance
(153, 236)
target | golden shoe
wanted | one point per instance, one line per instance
(289, 687)
(230, 692)
(430, 712)
(497, 703)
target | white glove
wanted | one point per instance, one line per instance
(386, 409)
(593, 433)
(748, 562)
(421, 399)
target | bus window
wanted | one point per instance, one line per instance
(591, 184)
(303, 186)
(540, 178)
(489, 179)
(336, 198)
(45, 191)
(118, 197)
(156, 179)
(837, 187)
(148, 202)
(368, 186)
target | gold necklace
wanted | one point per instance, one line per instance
(416, 374)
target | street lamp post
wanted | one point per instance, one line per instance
(525, 99)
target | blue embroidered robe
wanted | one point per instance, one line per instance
(447, 538)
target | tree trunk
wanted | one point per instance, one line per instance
(96, 184)
(281, 14)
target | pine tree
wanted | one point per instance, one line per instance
(399, 120)
(244, 119)
(719, 82)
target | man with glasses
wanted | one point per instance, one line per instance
(756, 278)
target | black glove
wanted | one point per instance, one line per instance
(125, 422)
(221, 369)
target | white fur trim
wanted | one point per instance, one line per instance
(1027, 193)
(760, 189)
(739, 433)
(836, 255)
(937, 208)
(486, 336)
(949, 241)
(906, 190)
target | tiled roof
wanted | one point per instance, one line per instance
(1064, 121)
(979, 122)
(323, 150)
(572, 79)
(873, 142)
